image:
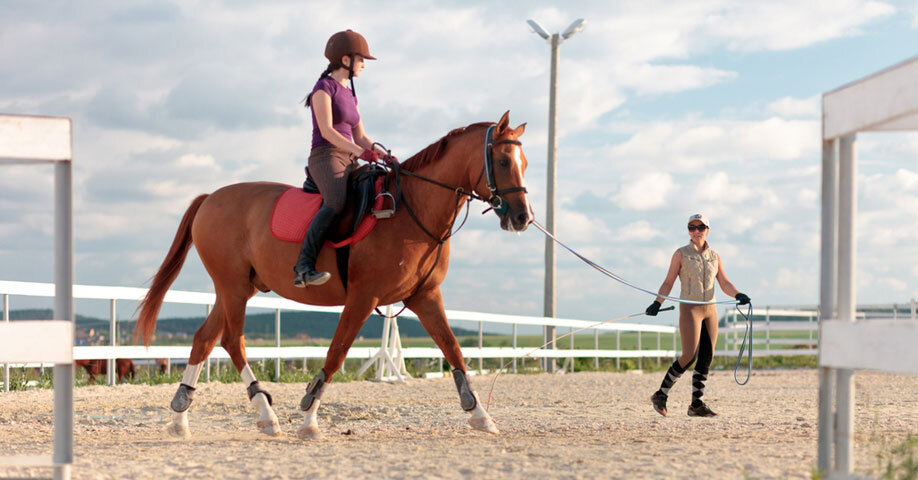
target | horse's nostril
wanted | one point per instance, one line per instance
(523, 218)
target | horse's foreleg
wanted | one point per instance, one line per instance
(204, 340)
(428, 306)
(355, 314)
(234, 344)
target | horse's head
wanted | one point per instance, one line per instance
(503, 169)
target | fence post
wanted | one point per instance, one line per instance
(113, 331)
(618, 346)
(767, 330)
(207, 368)
(914, 304)
(277, 343)
(480, 346)
(895, 312)
(6, 318)
(733, 330)
(809, 324)
(571, 358)
(596, 347)
(514, 347)
(640, 355)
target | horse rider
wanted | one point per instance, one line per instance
(338, 140)
(697, 266)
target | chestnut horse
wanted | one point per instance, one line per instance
(404, 258)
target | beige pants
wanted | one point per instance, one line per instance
(691, 318)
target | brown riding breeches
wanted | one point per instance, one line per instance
(330, 167)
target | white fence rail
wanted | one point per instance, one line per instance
(732, 332)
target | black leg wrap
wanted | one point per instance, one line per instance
(182, 399)
(466, 399)
(314, 391)
(255, 389)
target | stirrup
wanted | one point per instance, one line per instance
(384, 212)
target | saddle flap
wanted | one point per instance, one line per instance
(294, 208)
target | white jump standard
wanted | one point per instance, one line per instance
(884, 101)
(31, 140)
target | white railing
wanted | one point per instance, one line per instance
(732, 332)
(278, 353)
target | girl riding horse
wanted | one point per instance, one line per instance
(338, 140)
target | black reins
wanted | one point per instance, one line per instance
(495, 202)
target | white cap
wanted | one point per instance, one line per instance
(699, 216)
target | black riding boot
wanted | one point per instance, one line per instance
(305, 269)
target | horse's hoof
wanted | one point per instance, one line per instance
(178, 430)
(269, 427)
(309, 433)
(484, 424)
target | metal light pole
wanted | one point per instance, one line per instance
(555, 40)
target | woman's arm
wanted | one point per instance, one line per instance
(725, 284)
(674, 266)
(321, 107)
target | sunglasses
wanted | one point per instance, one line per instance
(700, 228)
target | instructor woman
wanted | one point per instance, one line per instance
(338, 140)
(697, 266)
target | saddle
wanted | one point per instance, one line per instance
(366, 193)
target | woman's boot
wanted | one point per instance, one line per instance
(305, 269)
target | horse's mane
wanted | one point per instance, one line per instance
(433, 151)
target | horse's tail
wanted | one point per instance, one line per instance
(172, 265)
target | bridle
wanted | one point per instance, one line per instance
(494, 200)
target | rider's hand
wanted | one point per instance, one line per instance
(653, 309)
(369, 155)
(743, 298)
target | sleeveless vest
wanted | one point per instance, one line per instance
(698, 272)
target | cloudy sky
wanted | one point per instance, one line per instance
(666, 109)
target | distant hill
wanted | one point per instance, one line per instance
(313, 324)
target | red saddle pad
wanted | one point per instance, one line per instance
(294, 209)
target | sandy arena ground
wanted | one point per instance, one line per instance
(586, 425)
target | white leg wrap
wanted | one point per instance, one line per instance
(247, 376)
(192, 372)
(267, 420)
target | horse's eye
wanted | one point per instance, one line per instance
(504, 163)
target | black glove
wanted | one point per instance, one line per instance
(743, 298)
(653, 309)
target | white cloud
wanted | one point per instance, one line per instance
(785, 25)
(646, 192)
(796, 107)
(692, 144)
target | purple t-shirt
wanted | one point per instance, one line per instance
(344, 110)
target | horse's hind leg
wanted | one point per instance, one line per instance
(355, 314)
(233, 342)
(428, 306)
(204, 340)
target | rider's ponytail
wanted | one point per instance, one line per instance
(331, 68)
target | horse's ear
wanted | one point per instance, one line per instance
(503, 123)
(518, 131)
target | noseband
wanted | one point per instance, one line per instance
(495, 200)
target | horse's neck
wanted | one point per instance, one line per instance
(435, 205)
